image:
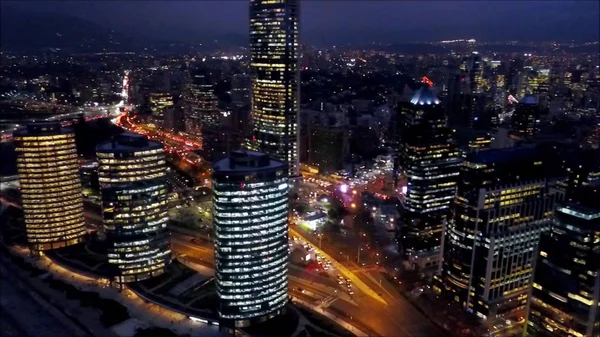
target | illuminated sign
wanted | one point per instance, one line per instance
(427, 81)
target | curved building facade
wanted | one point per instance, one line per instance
(50, 185)
(251, 237)
(132, 176)
(275, 78)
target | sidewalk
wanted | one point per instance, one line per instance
(332, 317)
(138, 308)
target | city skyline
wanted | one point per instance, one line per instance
(257, 184)
(342, 21)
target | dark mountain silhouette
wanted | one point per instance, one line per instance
(26, 31)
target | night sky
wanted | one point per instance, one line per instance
(331, 21)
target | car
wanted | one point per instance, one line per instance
(300, 290)
(351, 292)
(340, 282)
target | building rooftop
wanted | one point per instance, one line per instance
(580, 211)
(41, 128)
(529, 99)
(502, 155)
(128, 142)
(424, 96)
(244, 160)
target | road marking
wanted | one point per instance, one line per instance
(343, 270)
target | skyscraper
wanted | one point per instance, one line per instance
(132, 175)
(566, 285)
(430, 161)
(526, 118)
(251, 237)
(240, 90)
(50, 185)
(503, 204)
(201, 104)
(274, 68)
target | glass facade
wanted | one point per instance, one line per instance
(566, 285)
(202, 105)
(159, 103)
(430, 160)
(251, 237)
(50, 185)
(275, 95)
(526, 118)
(490, 243)
(132, 176)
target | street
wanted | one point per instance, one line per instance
(396, 319)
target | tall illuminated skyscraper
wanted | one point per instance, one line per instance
(50, 185)
(430, 161)
(504, 203)
(202, 105)
(251, 237)
(132, 175)
(275, 80)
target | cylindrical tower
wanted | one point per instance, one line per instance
(132, 176)
(50, 185)
(251, 237)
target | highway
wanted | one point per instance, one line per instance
(396, 319)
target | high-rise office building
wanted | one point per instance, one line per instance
(526, 118)
(240, 90)
(566, 285)
(251, 237)
(468, 110)
(132, 174)
(473, 67)
(160, 102)
(274, 54)
(201, 103)
(328, 147)
(430, 161)
(50, 185)
(503, 204)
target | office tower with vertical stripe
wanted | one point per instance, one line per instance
(503, 204)
(275, 99)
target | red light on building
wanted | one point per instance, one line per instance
(427, 81)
